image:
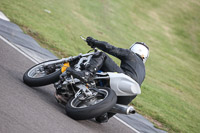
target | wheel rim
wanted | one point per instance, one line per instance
(38, 71)
(77, 103)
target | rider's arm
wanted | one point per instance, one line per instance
(106, 47)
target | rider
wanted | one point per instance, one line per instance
(132, 64)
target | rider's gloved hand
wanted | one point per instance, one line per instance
(90, 41)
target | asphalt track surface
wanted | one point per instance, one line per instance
(25, 109)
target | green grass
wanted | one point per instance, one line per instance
(170, 92)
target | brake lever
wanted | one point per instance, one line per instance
(95, 49)
(83, 38)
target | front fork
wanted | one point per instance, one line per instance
(83, 89)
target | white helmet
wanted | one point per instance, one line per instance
(141, 49)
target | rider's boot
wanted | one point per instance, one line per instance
(102, 118)
(84, 75)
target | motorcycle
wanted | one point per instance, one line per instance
(83, 100)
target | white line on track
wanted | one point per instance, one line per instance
(126, 124)
(36, 62)
(19, 50)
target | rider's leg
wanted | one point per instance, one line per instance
(125, 100)
(94, 65)
(96, 62)
(110, 66)
(99, 60)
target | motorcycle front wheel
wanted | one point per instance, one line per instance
(40, 76)
(79, 109)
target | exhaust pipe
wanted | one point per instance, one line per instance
(122, 109)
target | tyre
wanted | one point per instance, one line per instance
(40, 76)
(86, 109)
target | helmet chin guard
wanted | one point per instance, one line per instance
(141, 49)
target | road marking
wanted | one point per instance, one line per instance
(19, 50)
(126, 124)
(36, 62)
(2, 16)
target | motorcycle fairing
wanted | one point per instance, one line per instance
(123, 85)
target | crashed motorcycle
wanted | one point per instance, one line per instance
(83, 100)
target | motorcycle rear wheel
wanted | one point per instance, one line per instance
(35, 77)
(82, 110)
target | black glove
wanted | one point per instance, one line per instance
(90, 41)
